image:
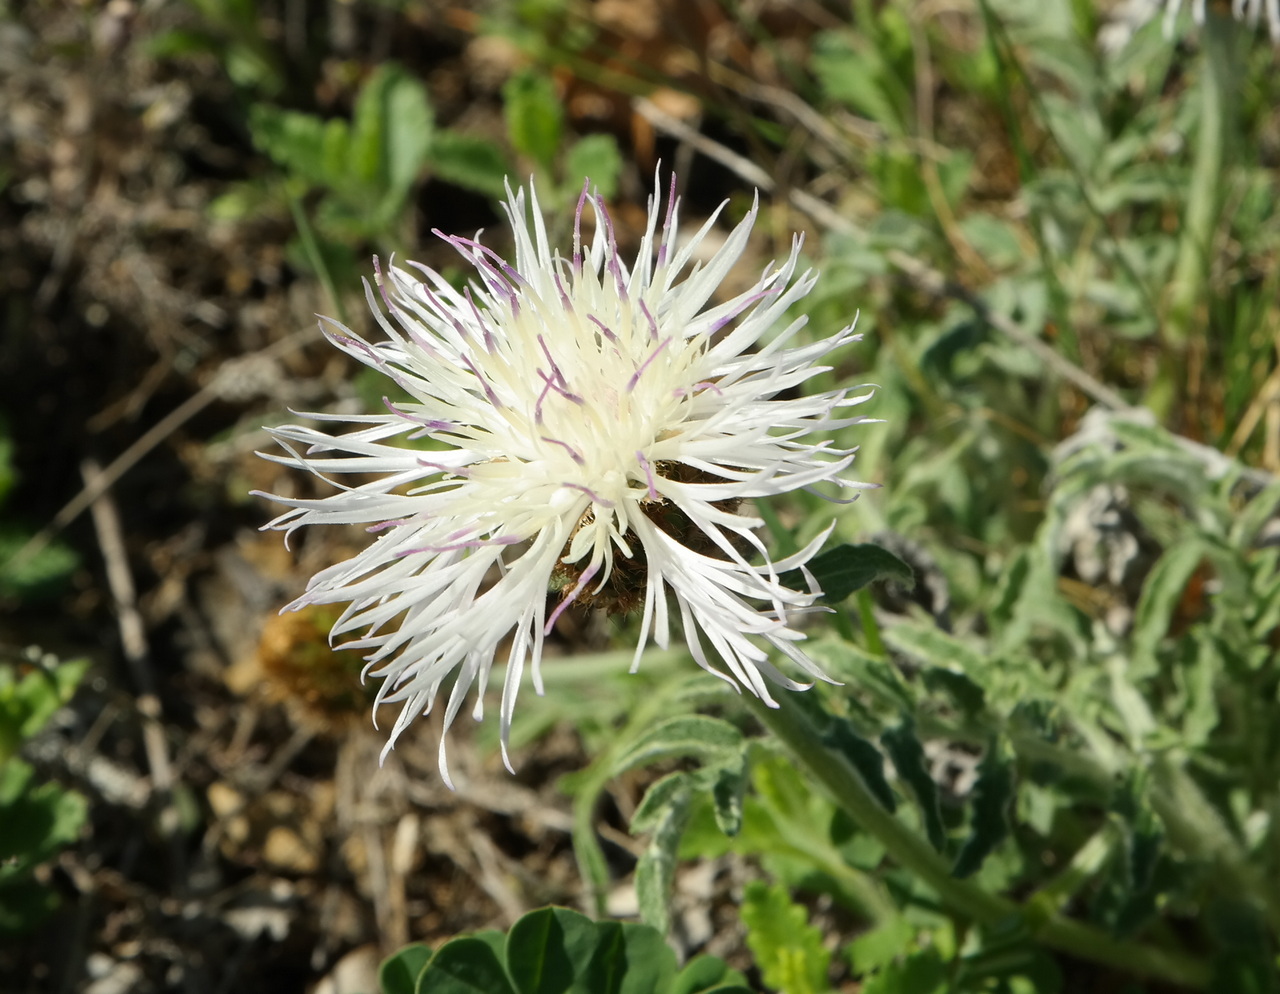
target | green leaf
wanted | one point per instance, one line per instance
(7, 473)
(464, 966)
(24, 904)
(26, 704)
(935, 647)
(629, 959)
(704, 974)
(863, 756)
(595, 158)
(968, 696)
(880, 946)
(727, 790)
(391, 133)
(788, 950)
(993, 239)
(37, 576)
(920, 973)
(302, 144)
(989, 822)
(846, 569)
(399, 972)
(469, 162)
(176, 43)
(908, 758)
(548, 950)
(853, 77)
(1161, 593)
(656, 869)
(688, 735)
(535, 118)
(1144, 833)
(37, 821)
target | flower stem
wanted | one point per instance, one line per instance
(797, 731)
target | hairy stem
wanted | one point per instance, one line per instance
(913, 853)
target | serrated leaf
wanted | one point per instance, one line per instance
(1144, 834)
(727, 790)
(399, 972)
(964, 693)
(469, 162)
(660, 796)
(655, 871)
(1161, 593)
(934, 647)
(688, 735)
(464, 966)
(788, 950)
(596, 159)
(1247, 526)
(1201, 716)
(535, 117)
(864, 757)
(846, 569)
(880, 946)
(989, 818)
(908, 759)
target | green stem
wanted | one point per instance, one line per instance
(307, 235)
(870, 629)
(914, 854)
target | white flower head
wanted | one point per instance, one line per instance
(597, 426)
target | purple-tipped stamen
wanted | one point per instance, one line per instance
(666, 223)
(635, 377)
(613, 265)
(574, 454)
(648, 315)
(648, 473)
(577, 225)
(484, 384)
(595, 497)
(489, 343)
(583, 580)
(554, 368)
(559, 389)
(604, 329)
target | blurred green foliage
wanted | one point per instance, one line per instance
(1103, 748)
(556, 951)
(27, 573)
(38, 819)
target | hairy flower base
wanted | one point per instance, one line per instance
(595, 429)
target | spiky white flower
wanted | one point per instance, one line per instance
(595, 428)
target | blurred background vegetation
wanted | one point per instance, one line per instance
(1059, 227)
